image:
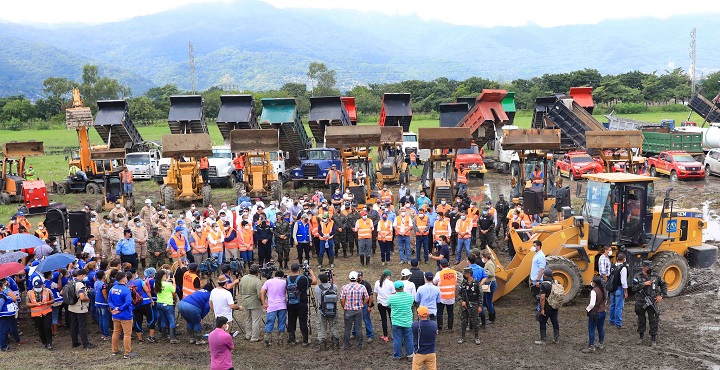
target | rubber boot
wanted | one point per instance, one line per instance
(543, 336)
(268, 339)
(362, 260)
(173, 340)
(336, 343)
(142, 263)
(281, 339)
(320, 261)
(191, 334)
(491, 320)
(323, 345)
(332, 261)
(367, 261)
(482, 320)
(199, 340)
(54, 327)
(653, 341)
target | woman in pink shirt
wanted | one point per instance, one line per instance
(221, 345)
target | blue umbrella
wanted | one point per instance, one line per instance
(17, 242)
(12, 257)
(54, 262)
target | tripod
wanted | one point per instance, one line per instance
(312, 304)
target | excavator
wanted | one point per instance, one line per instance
(259, 179)
(14, 182)
(438, 175)
(619, 211)
(391, 166)
(354, 143)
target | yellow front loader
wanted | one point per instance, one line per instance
(183, 182)
(354, 144)
(259, 180)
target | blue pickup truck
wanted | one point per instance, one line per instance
(315, 165)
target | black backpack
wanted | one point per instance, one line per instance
(613, 281)
(293, 291)
(69, 294)
(328, 301)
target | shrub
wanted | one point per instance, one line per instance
(674, 108)
(630, 108)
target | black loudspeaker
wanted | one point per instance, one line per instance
(55, 222)
(79, 224)
(358, 193)
(533, 201)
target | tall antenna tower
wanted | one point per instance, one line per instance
(192, 68)
(693, 60)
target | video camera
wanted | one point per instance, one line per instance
(237, 266)
(268, 270)
(330, 273)
(306, 268)
(209, 266)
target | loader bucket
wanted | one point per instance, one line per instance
(186, 145)
(254, 140)
(391, 135)
(17, 149)
(340, 137)
(613, 139)
(78, 117)
(107, 154)
(531, 139)
(445, 138)
(452, 113)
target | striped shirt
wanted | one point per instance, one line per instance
(354, 295)
(400, 305)
(604, 265)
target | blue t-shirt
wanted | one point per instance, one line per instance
(478, 272)
(140, 284)
(99, 298)
(424, 335)
(201, 299)
(121, 298)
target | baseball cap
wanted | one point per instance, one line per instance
(178, 228)
(37, 283)
(399, 285)
(148, 201)
(387, 272)
(405, 272)
(423, 311)
(21, 213)
(363, 213)
(429, 275)
(353, 276)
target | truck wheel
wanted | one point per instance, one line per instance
(63, 188)
(276, 190)
(231, 181)
(168, 197)
(207, 195)
(93, 188)
(566, 272)
(673, 176)
(4, 199)
(653, 171)
(672, 268)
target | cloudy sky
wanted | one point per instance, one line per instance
(469, 12)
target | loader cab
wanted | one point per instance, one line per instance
(618, 208)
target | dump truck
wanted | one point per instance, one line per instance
(282, 115)
(619, 211)
(349, 103)
(486, 116)
(508, 104)
(438, 174)
(709, 110)
(259, 179)
(326, 111)
(396, 111)
(354, 143)
(315, 163)
(183, 182)
(391, 166)
(115, 127)
(452, 113)
(237, 112)
(14, 185)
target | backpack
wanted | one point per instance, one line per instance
(136, 297)
(293, 291)
(613, 282)
(69, 294)
(557, 295)
(328, 301)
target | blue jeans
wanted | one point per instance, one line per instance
(368, 324)
(402, 336)
(104, 317)
(330, 248)
(598, 324)
(91, 304)
(488, 298)
(617, 303)
(421, 242)
(56, 314)
(127, 188)
(219, 256)
(404, 248)
(192, 315)
(5, 324)
(271, 317)
(167, 315)
(462, 244)
(247, 256)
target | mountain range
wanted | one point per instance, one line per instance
(252, 45)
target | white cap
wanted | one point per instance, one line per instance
(353, 276)
(148, 201)
(405, 272)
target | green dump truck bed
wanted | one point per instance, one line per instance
(660, 139)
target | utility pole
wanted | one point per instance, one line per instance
(693, 60)
(192, 68)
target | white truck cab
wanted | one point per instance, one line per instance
(410, 143)
(143, 165)
(221, 167)
(504, 158)
(277, 159)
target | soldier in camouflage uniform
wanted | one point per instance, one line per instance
(470, 296)
(156, 247)
(649, 290)
(282, 234)
(340, 241)
(350, 235)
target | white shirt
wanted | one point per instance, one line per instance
(221, 299)
(384, 291)
(410, 288)
(89, 249)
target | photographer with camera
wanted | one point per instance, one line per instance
(250, 288)
(222, 302)
(297, 300)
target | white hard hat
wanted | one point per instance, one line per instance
(405, 272)
(353, 276)
(148, 201)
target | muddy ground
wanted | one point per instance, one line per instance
(688, 339)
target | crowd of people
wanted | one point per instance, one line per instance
(136, 270)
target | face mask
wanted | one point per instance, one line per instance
(138, 223)
(120, 219)
(38, 290)
(384, 189)
(216, 228)
(117, 206)
(485, 213)
(364, 217)
(107, 222)
(92, 242)
(117, 225)
(463, 217)
(93, 219)
(192, 207)
(337, 191)
(402, 214)
(40, 227)
(443, 202)
(610, 253)
(533, 249)
(421, 215)
(384, 217)
(592, 284)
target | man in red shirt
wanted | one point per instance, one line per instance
(239, 164)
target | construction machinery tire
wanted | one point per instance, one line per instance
(567, 273)
(168, 197)
(93, 188)
(63, 188)
(239, 187)
(673, 269)
(276, 190)
(4, 199)
(207, 195)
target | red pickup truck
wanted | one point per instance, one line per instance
(575, 164)
(677, 164)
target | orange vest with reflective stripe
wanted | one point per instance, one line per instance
(447, 283)
(200, 242)
(314, 226)
(180, 244)
(421, 225)
(42, 234)
(204, 163)
(188, 286)
(333, 177)
(365, 228)
(444, 208)
(46, 303)
(216, 247)
(474, 214)
(464, 226)
(385, 196)
(462, 177)
(246, 240)
(403, 221)
(126, 177)
(441, 228)
(326, 229)
(413, 157)
(385, 230)
(233, 244)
